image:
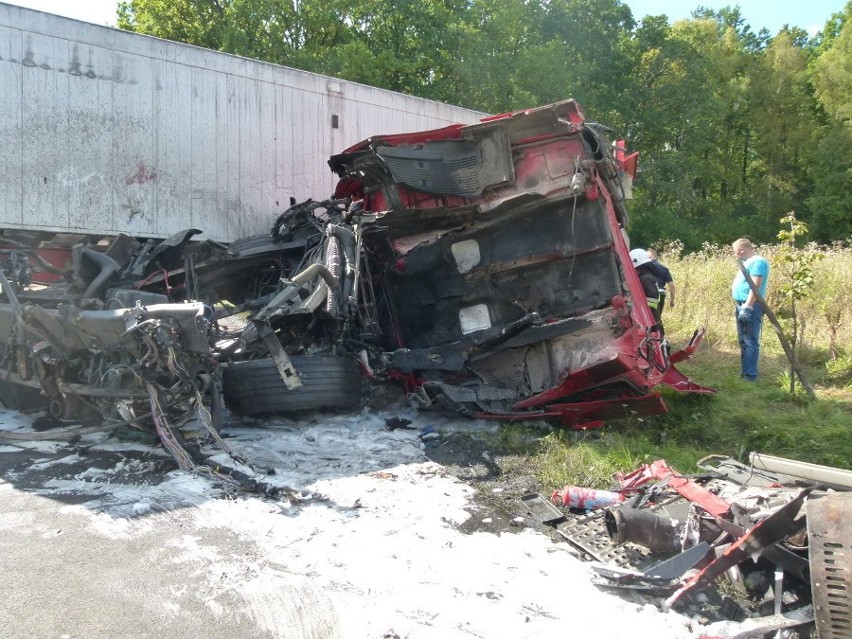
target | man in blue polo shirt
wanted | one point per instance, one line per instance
(748, 312)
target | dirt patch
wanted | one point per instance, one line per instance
(499, 476)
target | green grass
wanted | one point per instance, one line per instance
(742, 416)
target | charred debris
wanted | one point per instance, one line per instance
(752, 550)
(486, 270)
(483, 268)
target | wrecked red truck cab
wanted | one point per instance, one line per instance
(485, 267)
(501, 271)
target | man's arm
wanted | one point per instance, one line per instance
(757, 270)
(671, 288)
(751, 300)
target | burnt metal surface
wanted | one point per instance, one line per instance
(451, 167)
(484, 267)
(782, 523)
(543, 509)
(677, 566)
(830, 547)
(641, 525)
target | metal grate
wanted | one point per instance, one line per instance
(830, 541)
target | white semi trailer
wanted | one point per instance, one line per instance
(104, 131)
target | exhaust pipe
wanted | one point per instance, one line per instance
(643, 527)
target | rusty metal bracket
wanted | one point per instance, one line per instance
(282, 362)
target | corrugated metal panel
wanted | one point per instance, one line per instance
(11, 160)
(106, 131)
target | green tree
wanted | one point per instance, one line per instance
(521, 53)
(797, 285)
(692, 126)
(409, 43)
(784, 127)
(731, 18)
(832, 70)
(279, 31)
(198, 22)
(831, 203)
(592, 63)
(495, 64)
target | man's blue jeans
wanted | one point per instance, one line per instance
(748, 333)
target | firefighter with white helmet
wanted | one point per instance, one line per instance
(644, 269)
(639, 257)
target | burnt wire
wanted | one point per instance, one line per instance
(576, 197)
(180, 450)
(207, 421)
(174, 366)
(573, 240)
(166, 433)
(172, 441)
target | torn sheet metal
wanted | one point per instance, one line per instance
(676, 540)
(660, 471)
(659, 577)
(758, 627)
(775, 528)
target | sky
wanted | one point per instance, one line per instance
(772, 14)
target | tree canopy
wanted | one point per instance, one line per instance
(735, 128)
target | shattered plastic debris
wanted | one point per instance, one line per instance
(676, 536)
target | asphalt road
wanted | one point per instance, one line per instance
(104, 538)
(158, 573)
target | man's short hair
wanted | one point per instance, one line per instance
(743, 242)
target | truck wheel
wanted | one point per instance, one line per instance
(255, 387)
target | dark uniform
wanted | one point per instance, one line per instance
(648, 279)
(664, 276)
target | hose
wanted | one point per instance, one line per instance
(349, 245)
(108, 268)
(311, 272)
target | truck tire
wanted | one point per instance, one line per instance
(254, 387)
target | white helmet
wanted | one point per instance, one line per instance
(639, 257)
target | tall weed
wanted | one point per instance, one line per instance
(703, 280)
